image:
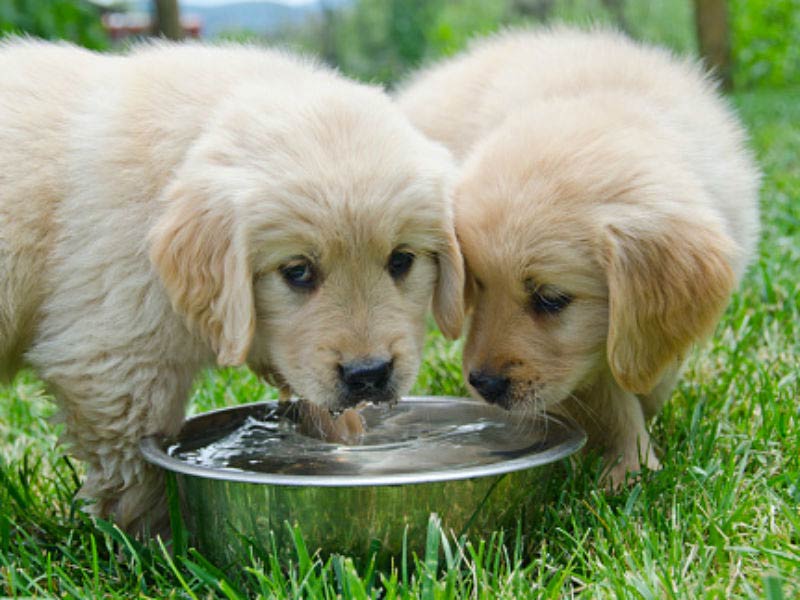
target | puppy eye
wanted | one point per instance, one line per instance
(299, 274)
(400, 263)
(549, 301)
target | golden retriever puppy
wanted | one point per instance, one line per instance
(606, 208)
(187, 205)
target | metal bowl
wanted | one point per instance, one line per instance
(477, 467)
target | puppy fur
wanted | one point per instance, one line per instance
(606, 209)
(149, 207)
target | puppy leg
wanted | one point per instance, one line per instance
(138, 506)
(627, 443)
(103, 428)
(615, 425)
(652, 402)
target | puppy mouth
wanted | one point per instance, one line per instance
(348, 399)
(524, 402)
(354, 386)
(505, 392)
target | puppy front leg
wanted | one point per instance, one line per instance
(615, 425)
(104, 428)
(627, 443)
(635, 447)
(655, 400)
(137, 505)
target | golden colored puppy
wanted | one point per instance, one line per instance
(606, 209)
(186, 205)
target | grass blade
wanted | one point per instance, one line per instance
(431, 565)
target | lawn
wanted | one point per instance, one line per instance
(720, 520)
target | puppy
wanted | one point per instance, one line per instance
(188, 205)
(606, 209)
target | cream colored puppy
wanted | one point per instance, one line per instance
(190, 205)
(606, 209)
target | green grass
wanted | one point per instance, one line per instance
(721, 520)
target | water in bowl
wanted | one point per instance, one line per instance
(409, 437)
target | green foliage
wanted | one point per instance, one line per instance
(765, 42)
(73, 20)
(441, 367)
(459, 22)
(668, 23)
(383, 40)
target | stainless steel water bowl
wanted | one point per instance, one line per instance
(243, 475)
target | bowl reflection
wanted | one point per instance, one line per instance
(244, 475)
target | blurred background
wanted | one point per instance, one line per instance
(749, 42)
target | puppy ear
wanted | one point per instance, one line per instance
(198, 252)
(448, 296)
(470, 290)
(669, 281)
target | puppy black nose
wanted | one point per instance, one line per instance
(493, 388)
(366, 377)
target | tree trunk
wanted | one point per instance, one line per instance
(713, 38)
(167, 22)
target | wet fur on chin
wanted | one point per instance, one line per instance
(152, 200)
(610, 172)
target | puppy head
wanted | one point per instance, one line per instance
(309, 236)
(586, 254)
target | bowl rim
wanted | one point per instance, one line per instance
(152, 451)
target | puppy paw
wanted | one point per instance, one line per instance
(349, 427)
(317, 422)
(625, 469)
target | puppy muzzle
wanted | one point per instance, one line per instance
(367, 380)
(492, 387)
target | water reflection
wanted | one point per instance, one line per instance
(413, 436)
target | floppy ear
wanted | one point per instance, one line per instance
(448, 296)
(198, 252)
(470, 290)
(669, 280)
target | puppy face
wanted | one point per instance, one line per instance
(309, 239)
(587, 257)
(342, 296)
(537, 295)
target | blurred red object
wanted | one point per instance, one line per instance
(121, 26)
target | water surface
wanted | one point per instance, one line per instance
(412, 437)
